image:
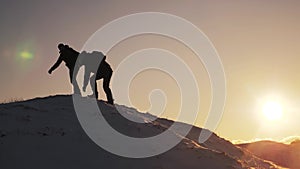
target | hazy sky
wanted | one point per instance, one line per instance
(258, 43)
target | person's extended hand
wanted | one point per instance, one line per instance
(49, 71)
(84, 88)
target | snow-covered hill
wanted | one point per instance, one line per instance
(44, 133)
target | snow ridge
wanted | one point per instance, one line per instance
(45, 133)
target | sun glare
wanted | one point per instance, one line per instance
(272, 110)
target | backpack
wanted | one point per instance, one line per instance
(94, 61)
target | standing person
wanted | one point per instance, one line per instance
(69, 56)
(95, 63)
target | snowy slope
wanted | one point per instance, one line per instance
(45, 133)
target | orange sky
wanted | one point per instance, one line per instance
(258, 43)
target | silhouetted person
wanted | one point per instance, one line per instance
(95, 63)
(69, 56)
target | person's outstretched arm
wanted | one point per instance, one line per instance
(57, 63)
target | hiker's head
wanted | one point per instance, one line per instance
(61, 46)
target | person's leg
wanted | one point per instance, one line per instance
(106, 81)
(71, 75)
(93, 82)
(76, 89)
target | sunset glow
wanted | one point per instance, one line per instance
(257, 42)
(272, 110)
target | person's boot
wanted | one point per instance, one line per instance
(109, 97)
(91, 96)
(110, 101)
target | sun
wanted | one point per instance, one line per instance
(272, 110)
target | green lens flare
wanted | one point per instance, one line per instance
(26, 55)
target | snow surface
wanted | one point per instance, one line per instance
(45, 133)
